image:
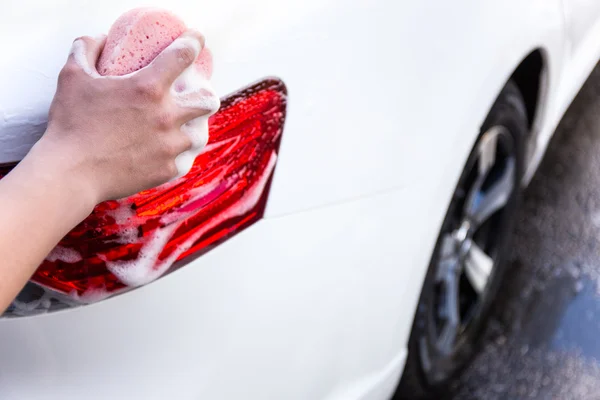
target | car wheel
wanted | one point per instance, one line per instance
(469, 257)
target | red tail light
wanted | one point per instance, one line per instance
(133, 241)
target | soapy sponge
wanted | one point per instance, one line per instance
(138, 36)
(134, 40)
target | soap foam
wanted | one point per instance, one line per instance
(79, 51)
(93, 295)
(147, 267)
(192, 89)
(64, 254)
(197, 131)
(40, 305)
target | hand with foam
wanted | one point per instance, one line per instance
(134, 40)
(123, 134)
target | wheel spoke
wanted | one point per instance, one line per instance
(478, 267)
(448, 273)
(495, 197)
(487, 152)
(485, 162)
(447, 258)
(449, 310)
(479, 205)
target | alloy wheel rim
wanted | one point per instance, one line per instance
(468, 251)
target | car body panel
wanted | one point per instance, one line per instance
(360, 98)
(315, 301)
(581, 18)
(258, 317)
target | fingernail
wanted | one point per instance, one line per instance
(100, 37)
(196, 35)
(202, 40)
(183, 41)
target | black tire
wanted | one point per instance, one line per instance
(428, 369)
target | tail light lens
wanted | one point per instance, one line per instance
(133, 241)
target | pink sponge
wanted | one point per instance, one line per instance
(138, 36)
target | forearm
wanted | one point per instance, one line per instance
(40, 201)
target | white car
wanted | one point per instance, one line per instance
(346, 225)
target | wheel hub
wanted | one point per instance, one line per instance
(463, 237)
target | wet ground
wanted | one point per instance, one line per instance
(544, 338)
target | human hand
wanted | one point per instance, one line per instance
(116, 136)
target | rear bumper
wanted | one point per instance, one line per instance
(313, 305)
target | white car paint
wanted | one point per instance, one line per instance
(316, 300)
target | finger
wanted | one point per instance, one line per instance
(195, 104)
(173, 60)
(197, 131)
(176, 143)
(85, 52)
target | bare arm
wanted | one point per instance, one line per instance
(107, 137)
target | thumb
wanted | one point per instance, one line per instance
(173, 60)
